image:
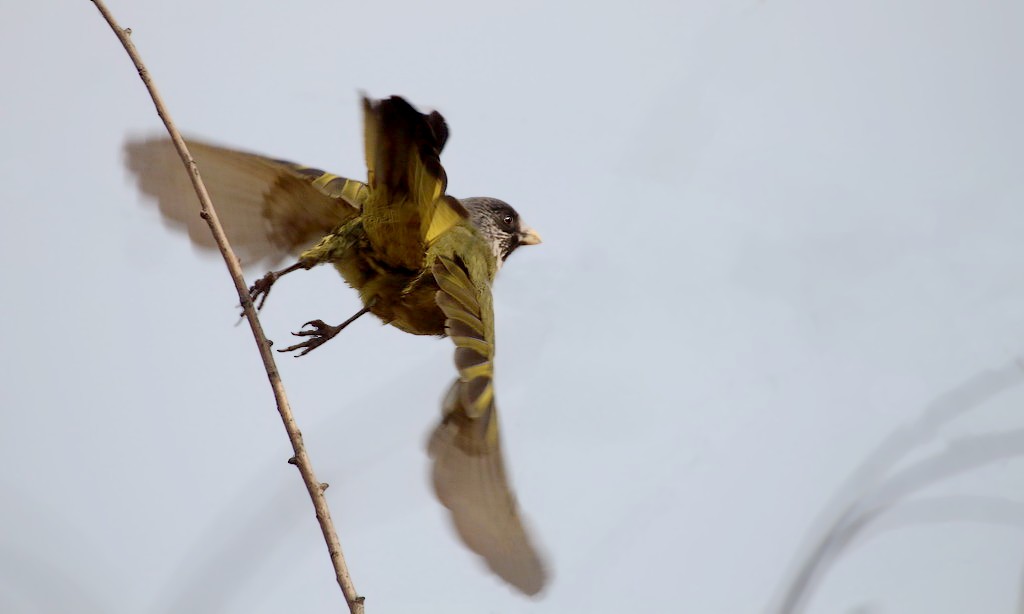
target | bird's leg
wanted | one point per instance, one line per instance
(261, 289)
(320, 333)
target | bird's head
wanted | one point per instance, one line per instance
(499, 223)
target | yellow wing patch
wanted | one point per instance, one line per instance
(447, 213)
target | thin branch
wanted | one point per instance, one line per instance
(207, 212)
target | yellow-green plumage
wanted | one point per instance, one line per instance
(420, 259)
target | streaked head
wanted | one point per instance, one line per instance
(500, 224)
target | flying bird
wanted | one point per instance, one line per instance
(420, 259)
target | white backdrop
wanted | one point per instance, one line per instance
(780, 289)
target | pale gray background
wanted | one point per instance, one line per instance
(782, 275)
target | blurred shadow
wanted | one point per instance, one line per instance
(869, 493)
(944, 510)
(948, 509)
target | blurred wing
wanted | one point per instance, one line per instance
(469, 473)
(269, 208)
(406, 207)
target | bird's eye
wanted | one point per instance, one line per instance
(507, 219)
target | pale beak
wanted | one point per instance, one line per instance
(528, 236)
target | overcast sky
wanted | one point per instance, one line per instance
(769, 356)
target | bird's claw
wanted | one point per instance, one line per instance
(260, 290)
(318, 335)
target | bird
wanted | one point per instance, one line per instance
(421, 260)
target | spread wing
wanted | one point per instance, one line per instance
(269, 208)
(406, 208)
(469, 473)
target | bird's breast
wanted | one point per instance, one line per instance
(400, 296)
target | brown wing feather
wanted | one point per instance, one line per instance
(269, 208)
(406, 207)
(469, 471)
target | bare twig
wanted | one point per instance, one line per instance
(207, 212)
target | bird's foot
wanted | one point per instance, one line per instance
(318, 335)
(260, 290)
(321, 332)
